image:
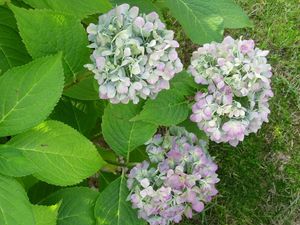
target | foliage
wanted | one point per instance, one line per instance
(54, 129)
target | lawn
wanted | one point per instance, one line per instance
(260, 179)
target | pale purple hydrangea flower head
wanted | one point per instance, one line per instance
(134, 55)
(179, 181)
(238, 79)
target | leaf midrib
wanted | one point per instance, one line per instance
(119, 194)
(50, 153)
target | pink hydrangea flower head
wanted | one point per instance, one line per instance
(179, 182)
(134, 55)
(238, 79)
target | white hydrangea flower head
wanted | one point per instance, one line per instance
(238, 79)
(134, 55)
(180, 180)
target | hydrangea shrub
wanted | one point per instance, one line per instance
(84, 84)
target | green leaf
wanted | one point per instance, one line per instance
(77, 8)
(77, 205)
(27, 182)
(45, 215)
(204, 21)
(25, 100)
(139, 155)
(193, 128)
(169, 108)
(105, 179)
(199, 19)
(38, 192)
(14, 163)
(63, 156)
(112, 207)
(146, 6)
(46, 32)
(233, 14)
(81, 115)
(184, 84)
(15, 208)
(122, 135)
(12, 49)
(85, 89)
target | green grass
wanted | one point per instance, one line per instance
(260, 179)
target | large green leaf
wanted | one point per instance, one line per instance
(15, 208)
(169, 108)
(199, 20)
(81, 115)
(77, 205)
(29, 94)
(122, 135)
(14, 163)
(205, 20)
(45, 215)
(77, 8)
(45, 32)
(12, 49)
(112, 207)
(63, 156)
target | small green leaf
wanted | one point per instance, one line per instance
(105, 179)
(25, 100)
(139, 154)
(77, 205)
(122, 135)
(77, 8)
(27, 182)
(45, 215)
(46, 32)
(38, 192)
(15, 208)
(63, 156)
(169, 108)
(12, 49)
(193, 128)
(184, 84)
(112, 207)
(14, 163)
(81, 115)
(85, 89)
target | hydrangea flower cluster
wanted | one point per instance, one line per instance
(238, 79)
(180, 180)
(134, 55)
